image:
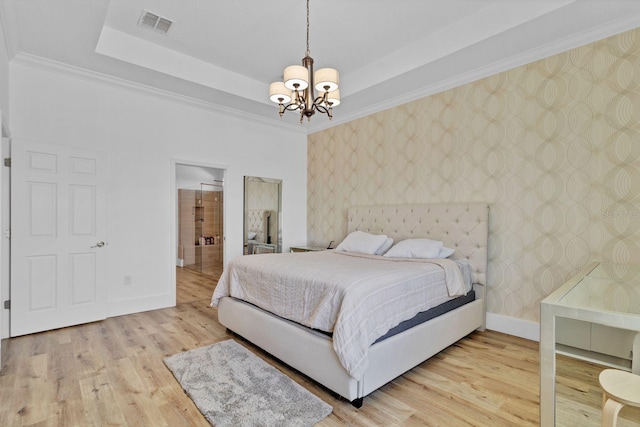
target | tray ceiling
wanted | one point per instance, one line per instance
(224, 54)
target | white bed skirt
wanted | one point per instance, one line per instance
(312, 353)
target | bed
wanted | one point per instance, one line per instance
(462, 226)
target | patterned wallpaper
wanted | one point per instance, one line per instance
(262, 195)
(553, 146)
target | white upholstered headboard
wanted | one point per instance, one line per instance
(257, 222)
(462, 226)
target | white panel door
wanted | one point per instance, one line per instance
(58, 246)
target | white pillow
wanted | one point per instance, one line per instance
(362, 242)
(252, 235)
(385, 246)
(445, 252)
(415, 248)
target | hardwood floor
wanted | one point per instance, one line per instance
(194, 286)
(111, 373)
(210, 268)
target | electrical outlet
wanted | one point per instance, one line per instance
(128, 280)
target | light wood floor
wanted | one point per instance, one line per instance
(211, 269)
(193, 286)
(111, 373)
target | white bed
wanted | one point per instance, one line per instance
(462, 226)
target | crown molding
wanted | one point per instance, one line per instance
(558, 46)
(527, 57)
(48, 65)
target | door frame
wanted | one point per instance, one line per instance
(175, 214)
(5, 256)
(5, 248)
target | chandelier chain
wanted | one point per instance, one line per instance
(308, 52)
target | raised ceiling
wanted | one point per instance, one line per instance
(223, 54)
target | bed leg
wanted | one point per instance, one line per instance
(357, 403)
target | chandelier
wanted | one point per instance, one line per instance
(296, 92)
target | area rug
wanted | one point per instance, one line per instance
(231, 386)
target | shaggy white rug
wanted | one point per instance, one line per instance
(233, 387)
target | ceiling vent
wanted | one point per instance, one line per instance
(154, 22)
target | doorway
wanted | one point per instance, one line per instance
(199, 229)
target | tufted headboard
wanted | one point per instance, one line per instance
(257, 221)
(462, 226)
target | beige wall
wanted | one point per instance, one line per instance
(553, 146)
(262, 195)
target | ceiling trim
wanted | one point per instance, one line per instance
(140, 52)
(48, 65)
(491, 20)
(532, 55)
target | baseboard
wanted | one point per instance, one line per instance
(496, 322)
(137, 305)
(514, 326)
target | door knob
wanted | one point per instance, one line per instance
(99, 245)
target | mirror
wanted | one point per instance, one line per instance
(262, 215)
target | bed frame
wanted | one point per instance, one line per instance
(463, 226)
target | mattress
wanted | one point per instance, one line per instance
(423, 316)
(427, 315)
(356, 297)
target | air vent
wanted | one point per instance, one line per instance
(154, 22)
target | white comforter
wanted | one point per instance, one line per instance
(357, 297)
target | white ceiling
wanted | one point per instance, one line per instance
(224, 54)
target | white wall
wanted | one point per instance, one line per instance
(145, 136)
(4, 74)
